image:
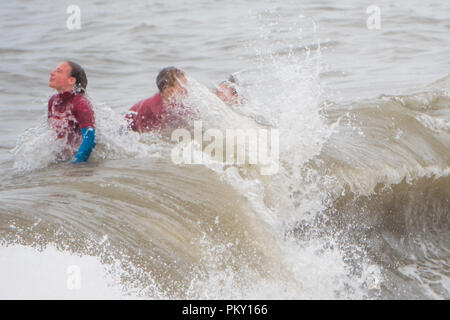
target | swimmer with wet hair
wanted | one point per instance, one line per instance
(151, 114)
(70, 113)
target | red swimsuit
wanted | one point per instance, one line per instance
(154, 114)
(68, 113)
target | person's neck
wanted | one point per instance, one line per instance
(66, 89)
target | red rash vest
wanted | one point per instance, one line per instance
(147, 114)
(155, 114)
(68, 113)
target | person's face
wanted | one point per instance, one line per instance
(226, 94)
(60, 78)
(177, 91)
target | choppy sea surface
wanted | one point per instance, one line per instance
(359, 207)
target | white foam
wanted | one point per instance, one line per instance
(27, 273)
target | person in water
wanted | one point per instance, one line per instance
(70, 113)
(156, 112)
(227, 91)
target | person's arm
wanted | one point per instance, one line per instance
(84, 114)
(88, 143)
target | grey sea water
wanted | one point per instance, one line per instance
(359, 208)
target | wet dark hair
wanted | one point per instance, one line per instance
(168, 77)
(233, 79)
(80, 76)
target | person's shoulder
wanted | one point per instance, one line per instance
(82, 104)
(155, 99)
(81, 98)
(147, 103)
